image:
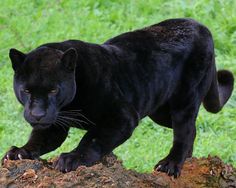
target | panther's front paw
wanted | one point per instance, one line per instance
(171, 167)
(67, 162)
(16, 153)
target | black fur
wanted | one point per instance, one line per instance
(163, 71)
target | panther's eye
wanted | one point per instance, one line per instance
(54, 91)
(26, 91)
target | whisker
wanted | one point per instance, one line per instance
(65, 112)
(58, 122)
(71, 118)
(86, 118)
(72, 111)
(61, 126)
(76, 121)
(65, 122)
(77, 114)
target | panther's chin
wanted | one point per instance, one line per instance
(40, 125)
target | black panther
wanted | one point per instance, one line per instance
(164, 71)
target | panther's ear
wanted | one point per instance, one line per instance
(69, 59)
(17, 58)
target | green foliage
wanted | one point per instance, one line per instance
(26, 24)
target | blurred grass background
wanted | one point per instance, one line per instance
(28, 23)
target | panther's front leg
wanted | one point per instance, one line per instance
(115, 130)
(40, 142)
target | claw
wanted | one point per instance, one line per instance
(168, 172)
(176, 175)
(158, 168)
(19, 156)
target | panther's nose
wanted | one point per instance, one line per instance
(37, 114)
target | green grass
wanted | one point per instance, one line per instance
(27, 24)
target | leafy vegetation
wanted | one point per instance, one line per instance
(27, 24)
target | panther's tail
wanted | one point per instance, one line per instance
(220, 90)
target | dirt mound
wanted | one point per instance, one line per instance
(204, 172)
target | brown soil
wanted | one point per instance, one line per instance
(203, 172)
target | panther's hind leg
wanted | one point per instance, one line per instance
(162, 116)
(183, 115)
(184, 107)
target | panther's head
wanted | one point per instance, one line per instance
(44, 82)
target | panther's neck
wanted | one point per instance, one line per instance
(95, 61)
(94, 74)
